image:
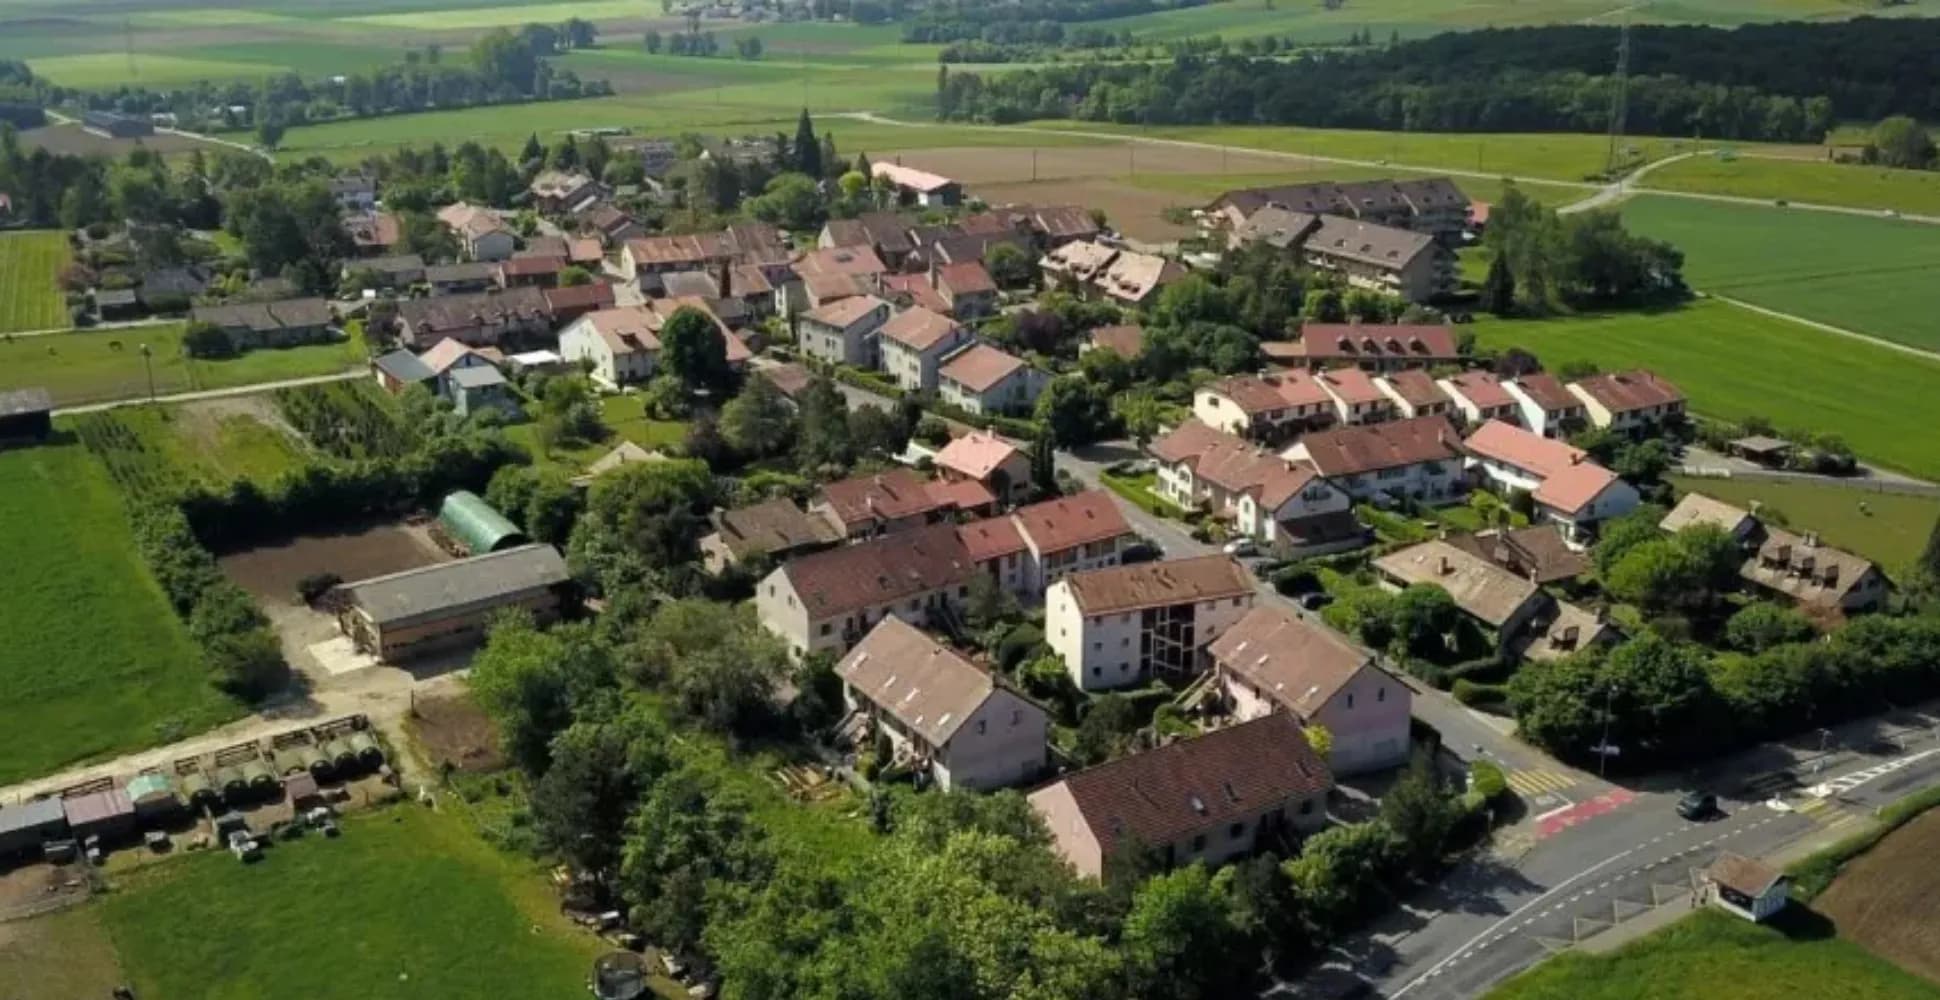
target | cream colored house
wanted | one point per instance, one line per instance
(1273, 660)
(1116, 627)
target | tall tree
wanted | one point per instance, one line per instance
(1499, 288)
(807, 148)
(695, 351)
(759, 422)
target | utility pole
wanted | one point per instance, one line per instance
(1603, 747)
(1620, 107)
(148, 363)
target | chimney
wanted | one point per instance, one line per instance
(1444, 566)
(726, 279)
(1811, 539)
(933, 270)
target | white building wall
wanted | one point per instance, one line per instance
(1000, 745)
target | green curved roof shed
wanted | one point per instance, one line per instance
(474, 524)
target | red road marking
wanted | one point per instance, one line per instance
(1556, 823)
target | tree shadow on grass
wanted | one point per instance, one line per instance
(1799, 922)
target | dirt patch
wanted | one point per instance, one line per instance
(1136, 212)
(64, 954)
(455, 732)
(71, 138)
(1884, 900)
(270, 572)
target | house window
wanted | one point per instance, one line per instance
(1381, 694)
(1350, 699)
(1237, 600)
(1236, 831)
(1098, 646)
(1307, 807)
(1199, 842)
(915, 603)
(980, 727)
(1124, 641)
(1097, 671)
(825, 628)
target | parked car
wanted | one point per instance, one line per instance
(1240, 548)
(1697, 805)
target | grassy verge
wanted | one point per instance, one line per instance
(95, 661)
(1812, 875)
(30, 268)
(1806, 181)
(105, 365)
(1733, 363)
(1890, 529)
(1712, 955)
(1138, 489)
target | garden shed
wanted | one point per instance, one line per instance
(26, 415)
(107, 813)
(472, 523)
(24, 827)
(153, 795)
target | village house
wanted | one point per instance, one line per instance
(914, 343)
(1522, 620)
(880, 503)
(1481, 397)
(399, 370)
(622, 344)
(1273, 660)
(918, 187)
(844, 331)
(1563, 629)
(1210, 798)
(1125, 340)
(558, 192)
(251, 325)
(997, 547)
(1371, 347)
(772, 529)
(373, 234)
(524, 270)
(1569, 489)
(1135, 279)
(647, 256)
(966, 287)
(1798, 567)
(1069, 534)
(942, 714)
(1274, 226)
(448, 606)
(573, 301)
(462, 278)
(886, 233)
(1629, 401)
(609, 224)
(983, 380)
(1415, 394)
(1432, 205)
(1539, 553)
(472, 390)
(394, 273)
(1283, 505)
(1076, 266)
(830, 600)
(486, 318)
(481, 234)
(1419, 459)
(1120, 625)
(354, 192)
(1356, 399)
(1056, 225)
(1268, 408)
(1547, 405)
(983, 457)
(445, 359)
(1412, 265)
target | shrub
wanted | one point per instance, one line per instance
(1295, 580)
(1485, 778)
(1477, 694)
(206, 340)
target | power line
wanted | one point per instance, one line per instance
(1620, 107)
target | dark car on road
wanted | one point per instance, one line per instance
(1695, 806)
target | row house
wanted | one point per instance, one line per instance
(1419, 459)
(894, 500)
(1265, 407)
(1357, 400)
(1083, 531)
(1431, 205)
(1629, 401)
(830, 600)
(1480, 397)
(1371, 347)
(1274, 660)
(1568, 488)
(1547, 406)
(983, 380)
(1286, 506)
(1415, 394)
(1118, 626)
(1414, 266)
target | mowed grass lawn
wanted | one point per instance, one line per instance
(94, 660)
(1891, 529)
(406, 904)
(30, 268)
(1870, 275)
(1714, 956)
(89, 368)
(1806, 181)
(1734, 363)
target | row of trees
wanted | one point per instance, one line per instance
(1542, 261)
(1350, 89)
(243, 655)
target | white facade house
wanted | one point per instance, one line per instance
(844, 331)
(941, 713)
(830, 600)
(619, 342)
(1262, 492)
(1546, 404)
(1071, 534)
(984, 380)
(1265, 407)
(1629, 401)
(1418, 458)
(1568, 488)
(1115, 627)
(1273, 660)
(914, 343)
(1480, 397)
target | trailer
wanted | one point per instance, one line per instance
(198, 787)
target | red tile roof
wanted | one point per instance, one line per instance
(1079, 519)
(976, 454)
(1511, 445)
(597, 295)
(1548, 392)
(1416, 387)
(980, 367)
(880, 571)
(890, 496)
(991, 538)
(1352, 451)
(1482, 390)
(1165, 795)
(918, 328)
(1124, 341)
(918, 288)
(1158, 584)
(1233, 464)
(964, 494)
(1353, 341)
(1352, 386)
(965, 278)
(1623, 392)
(1295, 663)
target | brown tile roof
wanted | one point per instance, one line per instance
(1697, 508)
(1251, 393)
(880, 571)
(1158, 584)
(267, 316)
(1484, 590)
(991, 538)
(1079, 519)
(1351, 386)
(980, 367)
(1538, 552)
(1297, 664)
(918, 328)
(923, 684)
(918, 288)
(1165, 795)
(378, 229)
(844, 313)
(1367, 243)
(1548, 392)
(598, 295)
(846, 233)
(976, 454)
(528, 267)
(1234, 464)
(585, 250)
(1569, 630)
(1481, 389)
(965, 278)
(890, 496)
(860, 261)
(543, 246)
(1569, 478)
(1064, 222)
(1353, 451)
(456, 312)
(1804, 569)
(1623, 392)
(1743, 875)
(625, 330)
(1571, 489)
(1330, 342)
(1124, 341)
(791, 379)
(770, 526)
(963, 494)
(444, 354)
(1416, 388)
(1186, 442)
(1134, 276)
(1276, 227)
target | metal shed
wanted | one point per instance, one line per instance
(153, 795)
(472, 522)
(107, 813)
(26, 826)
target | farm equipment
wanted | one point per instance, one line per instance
(244, 773)
(197, 788)
(298, 752)
(351, 746)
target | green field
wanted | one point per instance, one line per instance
(1891, 529)
(1813, 182)
(1714, 956)
(88, 367)
(30, 268)
(106, 69)
(625, 417)
(214, 443)
(1859, 273)
(407, 903)
(95, 662)
(1734, 363)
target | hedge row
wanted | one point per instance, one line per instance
(242, 653)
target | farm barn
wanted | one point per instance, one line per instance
(444, 607)
(26, 416)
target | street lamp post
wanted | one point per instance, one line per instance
(1603, 746)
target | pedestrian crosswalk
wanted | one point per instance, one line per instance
(1537, 782)
(1826, 813)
